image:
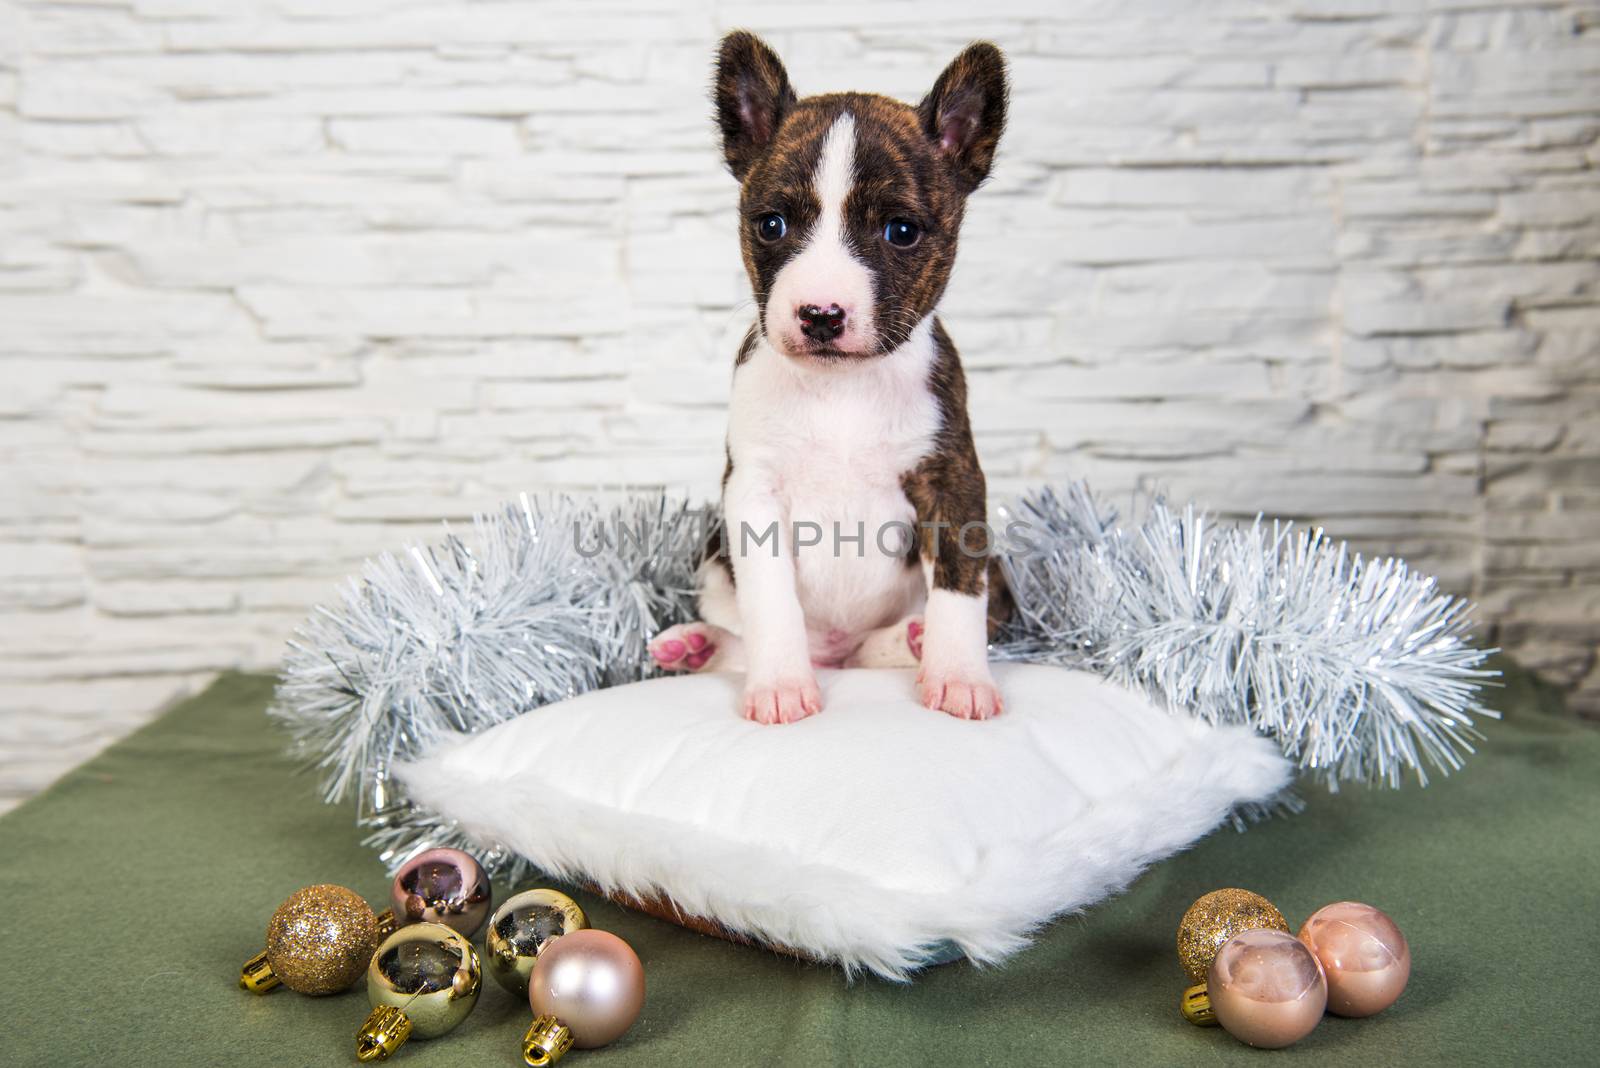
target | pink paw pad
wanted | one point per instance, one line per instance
(686, 647)
(914, 637)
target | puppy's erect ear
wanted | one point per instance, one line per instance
(965, 112)
(752, 94)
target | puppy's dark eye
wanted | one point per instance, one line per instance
(902, 233)
(771, 227)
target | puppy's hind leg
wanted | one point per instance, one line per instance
(697, 646)
(710, 643)
(899, 645)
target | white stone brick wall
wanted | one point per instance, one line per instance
(284, 282)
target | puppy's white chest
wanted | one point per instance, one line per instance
(832, 448)
(834, 436)
(837, 454)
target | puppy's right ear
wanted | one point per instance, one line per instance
(752, 94)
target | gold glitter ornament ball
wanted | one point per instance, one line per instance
(321, 939)
(1217, 917)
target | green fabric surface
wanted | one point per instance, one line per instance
(138, 884)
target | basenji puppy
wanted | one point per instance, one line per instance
(853, 503)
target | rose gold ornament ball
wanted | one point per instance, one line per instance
(591, 981)
(1363, 955)
(1266, 988)
(442, 886)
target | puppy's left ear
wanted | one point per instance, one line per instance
(752, 95)
(965, 112)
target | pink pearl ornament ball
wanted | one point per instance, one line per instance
(1267, 989)
(585, 990)
(1363, 955)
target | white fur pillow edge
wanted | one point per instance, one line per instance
(773, 896)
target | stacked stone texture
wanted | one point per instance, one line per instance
(285, 282)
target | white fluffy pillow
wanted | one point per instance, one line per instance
(875, 834)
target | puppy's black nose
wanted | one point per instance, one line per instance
(821, 324)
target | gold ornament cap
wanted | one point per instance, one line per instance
(1196, 1006)
(385, 1031)
(546, 1042)
(1217, 917)
(257, 975)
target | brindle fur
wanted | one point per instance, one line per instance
(918, 164)
(716, 548)
(948, 491)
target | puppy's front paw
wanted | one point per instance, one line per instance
(963, 694)
(782, 701)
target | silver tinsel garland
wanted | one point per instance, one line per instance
(551, 600)
(1362, 670)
